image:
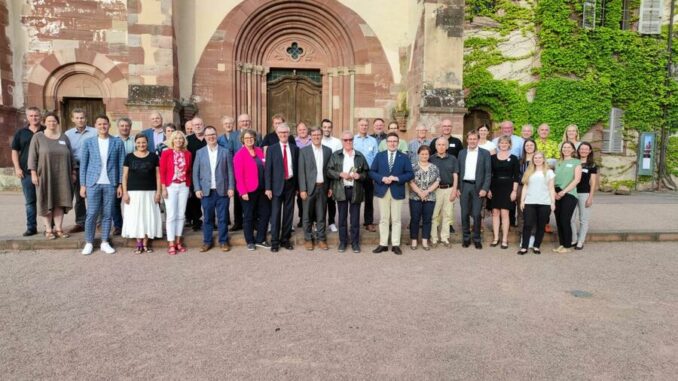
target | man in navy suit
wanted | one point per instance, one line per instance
(213, 183)
(390, 171)
(475, 172)
(280, 185)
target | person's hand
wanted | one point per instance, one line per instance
(125, 198)
(589, 202)
(269, 194)
(118, 192)
(199, 194)
(157, 197)
(513, 196)
(424, 193)
(482, 193)
(394, 179)
(355, 176)
(453, 195)
(230, 193)
(553, 208)
(329, 193)
(489, 195)
(458, 193)
(345, 175)
(19, 173)
(386, 180)
(558, 196)
(303, 195)
(74, 177)
(164, 193)
(83, 191)
(245, 197)
(522, 205)
(34, 178)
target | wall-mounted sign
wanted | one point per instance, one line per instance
(646, 148)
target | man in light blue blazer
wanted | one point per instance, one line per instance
(101, 161)
(213, 183)
(390, 171)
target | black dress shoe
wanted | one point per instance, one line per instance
(197, 228)
(235, 228)
(342, 247)
(466, 244)
(355, 247)
(274, 250)
(452, 229)
(396, 250)
(380, 249)
(288, 245)
(478, 245)
(29, 233)
(299, 225)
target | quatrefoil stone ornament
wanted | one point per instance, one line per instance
(295, 51)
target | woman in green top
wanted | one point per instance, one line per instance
(568, 174)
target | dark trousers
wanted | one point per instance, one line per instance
(282, 206)
(369, 202)
(470, 203)
(314, 208)
(564, 210)
(346, 207)
(117, 214)
(300, 208)
(194, 210)
(256, 209)
(30, 202)
(512, 214)
(80, 206)
(421, 213)
(211, 204)
(535, 215)
(331, 211)
(237, 210)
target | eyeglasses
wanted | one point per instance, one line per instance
(391, 141)
(210, 135)
(248, 138)
(347, 140)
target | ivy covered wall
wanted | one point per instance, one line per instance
(579, 75)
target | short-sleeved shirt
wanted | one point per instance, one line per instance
(454, 146)
(78, 138)
(368, 146)
(424, 179)
(447, 165)
(565, 174)
(537, 188)
(21, 143)
(413, 148)
(141, 172)
(587, 170)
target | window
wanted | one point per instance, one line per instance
(650, 16)
(613, 136)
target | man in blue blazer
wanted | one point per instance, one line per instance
(280, 186)
(101, 161)
(390, 171)
(155, 134)
(231, 141)
(213, 183)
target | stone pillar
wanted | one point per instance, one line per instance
(153, 79)
(443, 49)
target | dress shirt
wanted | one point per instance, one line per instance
(413, 147)
(368, 146)
(212, 153)
(516, 145)
(103, 151)
(348, 165)
(128, 144)
(470, 165)
(318, 155)
(158, 137)
(333, 143)
(77, 138)
(283, 147)
(302, 143)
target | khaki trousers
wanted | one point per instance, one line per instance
(390, 210)
(442, 211)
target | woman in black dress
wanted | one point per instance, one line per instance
(503, 189)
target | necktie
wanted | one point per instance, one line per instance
(390, 161)
(285, 160)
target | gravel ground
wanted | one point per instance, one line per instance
(606, 313)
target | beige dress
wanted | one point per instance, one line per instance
(52, 159)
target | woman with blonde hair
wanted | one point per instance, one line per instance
(571, 134)
(503, 189)
(537, 201)
(175, 179)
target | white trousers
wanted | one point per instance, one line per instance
(175, 207)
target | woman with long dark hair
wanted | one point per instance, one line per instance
(585, 191)
(568, 175)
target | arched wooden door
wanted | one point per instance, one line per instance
(295, 94)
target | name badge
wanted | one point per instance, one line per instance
(569, 165)
(585, 170)
(63, 143)
(509, 159)
(453, 145)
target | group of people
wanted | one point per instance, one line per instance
(194, 176)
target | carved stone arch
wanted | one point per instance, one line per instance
(54, 91)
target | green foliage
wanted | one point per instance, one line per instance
(672, 156)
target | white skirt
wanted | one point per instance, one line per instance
(141, 217)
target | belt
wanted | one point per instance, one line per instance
(319, 184)
(503, 177)
(444, 186)
(177, 182)
(469, 181)
(347, 187)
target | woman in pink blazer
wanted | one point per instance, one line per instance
(248, 167)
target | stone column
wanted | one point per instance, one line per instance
(443, 49)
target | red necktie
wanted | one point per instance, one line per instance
(285, 160)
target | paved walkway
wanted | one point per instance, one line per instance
(637, 217)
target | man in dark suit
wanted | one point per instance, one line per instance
(280, 184)
(314, 187)
(391, 170)
(475, 172)
(213, 183)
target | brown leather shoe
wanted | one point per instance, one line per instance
(323, 245)
(308, 245)
(205, 248)
(76, 229)
(371, 228)
(224, 247)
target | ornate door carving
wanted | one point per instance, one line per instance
(298, 96)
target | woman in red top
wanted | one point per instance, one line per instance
(175, 177)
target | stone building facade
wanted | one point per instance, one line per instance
(309, 59)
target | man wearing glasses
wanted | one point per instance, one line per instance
(368, 146)
(390, 171)
(348, 171)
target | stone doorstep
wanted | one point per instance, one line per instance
(194, 239)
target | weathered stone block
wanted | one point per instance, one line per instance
(150, 95)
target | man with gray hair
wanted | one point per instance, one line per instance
(506, 128)
(527, 131)
(231, 141)
(193, 144)
(280, 186)
(155, 134)
(124, 133)
(420, 140)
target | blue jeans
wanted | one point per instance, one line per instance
(100, 199)
(421, 210)
(31, 199)
(211, 203)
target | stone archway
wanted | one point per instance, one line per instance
(255, 37)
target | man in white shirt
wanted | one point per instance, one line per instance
(475, 171)
(335, 145)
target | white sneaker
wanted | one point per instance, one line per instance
(106, 248)
(87, 250)
(333, 228)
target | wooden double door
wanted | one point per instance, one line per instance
(92, 107)
(296, 94)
